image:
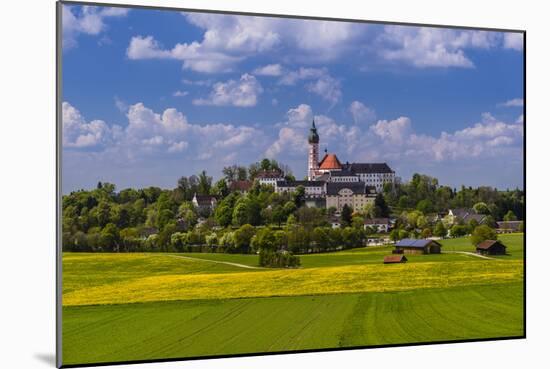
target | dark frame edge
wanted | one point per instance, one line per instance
(280, 15)
(58, 232)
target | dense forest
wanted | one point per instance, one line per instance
(155, 219)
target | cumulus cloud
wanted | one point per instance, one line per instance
(179, 93)
(150, 133)
(291, 77)
(393, 131)
(242, 93)
(229, 39)
(518, 102)
(361, 113)
(78, 133)
(395, 140)
(89, 20)
(271, 70)
(193, 55)
(513, 41)
(433, 47)
(328, 88)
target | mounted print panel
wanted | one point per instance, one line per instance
(239, 184)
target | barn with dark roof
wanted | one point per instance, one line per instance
(414, 246)
(491, 247)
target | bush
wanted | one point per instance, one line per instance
(278, 259)
(482, 233)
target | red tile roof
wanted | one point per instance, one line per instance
(330, 161)
(240, 185)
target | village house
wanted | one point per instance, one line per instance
(204, 203)
(270, 177)
(382, 225)
(509, 226)
(491, 247)
(464, 216)
(414, 246)
(394, 259)
(240, 186)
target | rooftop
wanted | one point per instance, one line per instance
(356, 187)
(368, 168)
(487, 244)
(330, 161)
(411, 242)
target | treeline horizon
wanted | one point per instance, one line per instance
(155, 219)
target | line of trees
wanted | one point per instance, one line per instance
(155, 219)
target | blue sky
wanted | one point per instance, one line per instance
(150, 95)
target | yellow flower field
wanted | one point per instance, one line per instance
(312, 281)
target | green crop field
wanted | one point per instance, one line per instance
(119, 307)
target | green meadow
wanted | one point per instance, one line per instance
(119, 307)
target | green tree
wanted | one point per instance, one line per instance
(346, 215)
(481, 208)
(109, 238)
(425, 206)
(482, 233)
(223, 214)
(242, 237)
(510, 216)
(381, 209)
(205, 183)
(439, 229)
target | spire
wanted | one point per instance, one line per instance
(313, 136)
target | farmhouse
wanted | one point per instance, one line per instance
(270, 177)
(380, 224)
(240, 186)
(491, 247)
(204, 202)
(464, 216)
(394, 259)
(413, 246)
(509, 226)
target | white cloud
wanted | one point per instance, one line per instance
(179, 93)
(158, 134)
(146, 48)
(361, 113)
(229, 39)
(78, 133)
(433, 47)
(89, 20)
(513, 41)
(291, 77)
(193, 55)
(393, 131)
(271, 70)
(328, 88)
(121, 105)
(518, 102)
(242, 93)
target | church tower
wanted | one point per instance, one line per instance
(313, 155)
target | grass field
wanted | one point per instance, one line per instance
(119, 307)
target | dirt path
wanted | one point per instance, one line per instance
(468, 253)
(218, 262)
